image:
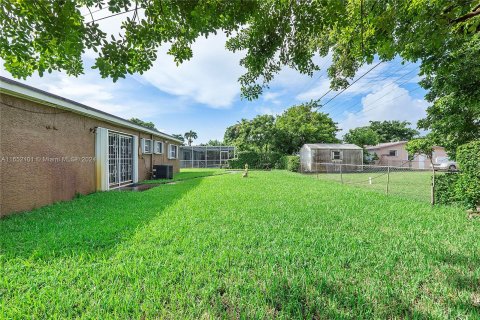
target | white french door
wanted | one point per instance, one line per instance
(120, 159)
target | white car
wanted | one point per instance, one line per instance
(443, 163)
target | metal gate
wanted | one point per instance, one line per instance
(120, 159)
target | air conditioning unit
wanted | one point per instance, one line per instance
(162, 171)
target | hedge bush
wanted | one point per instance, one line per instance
(446, 188)
(462, 188)
(293, 163)
(468, 185)
(255, 160)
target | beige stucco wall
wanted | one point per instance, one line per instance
(46, 154)
(420, 162)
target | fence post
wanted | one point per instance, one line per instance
(388, 177)
(341, 173)
(433, 185)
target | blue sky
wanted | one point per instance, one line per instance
(204, 94)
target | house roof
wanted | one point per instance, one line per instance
(385, 145)
(344, 146)
(18, 89)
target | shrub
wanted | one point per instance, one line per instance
(255, 160)
(293, 163)
(446, 188)
(462, 188)
(282, 163)
(468, 185)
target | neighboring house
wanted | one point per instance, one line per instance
(395, 154)
(206, 156)
(52, 148)
(330, 157)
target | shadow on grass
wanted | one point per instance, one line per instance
(335, 301)
(188, 175)
(91, 224)
(466, 281)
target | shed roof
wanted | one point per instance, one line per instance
(344, 146)
(18, 89)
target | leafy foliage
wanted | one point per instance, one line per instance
(391, 131)
(464, 187)
(362, 136)
(285, 133)
(454, 91)
(256, 134)
(303, 124)
(142, 123)
(293, 163)
(190, 136)
(46, 35)
(420, 146)
(255, 160)
(446, 188)
(214, 142)
(468, 157)
(179, 137)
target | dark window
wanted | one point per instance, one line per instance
(392, 153)
(336, 155)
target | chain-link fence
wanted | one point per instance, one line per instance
(404, 181)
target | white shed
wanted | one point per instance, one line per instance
(322, 157)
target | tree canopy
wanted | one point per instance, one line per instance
(213, 143)
(444, 35)
(142, 123)
(179, 137)
(362, 136)
(190, 136)
(390, 131)
(285, 133)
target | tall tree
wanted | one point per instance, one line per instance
(303, 124)
(213, 143)
(362, 136)
(389, 131)
(190, 136)
(272, 34)
(257, 134)
(142, 123)
(454, 91)
(179, 137)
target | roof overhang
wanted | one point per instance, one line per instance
(20, 90)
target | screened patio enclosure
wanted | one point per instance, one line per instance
(206, 156)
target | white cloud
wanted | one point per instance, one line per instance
(210, 77)
(117, 98)
(389, 102)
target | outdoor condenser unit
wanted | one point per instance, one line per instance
(162, 171)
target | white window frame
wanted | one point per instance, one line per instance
(170, 149)
(144, 146)
(395, 155)
(339, 154)
(155, 144)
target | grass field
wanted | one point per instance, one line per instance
(276, 244)
(410, 184)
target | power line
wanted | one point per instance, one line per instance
(385, 86)
(400, 95)
(92, 12)
(376, 78)
(351, 84)
(113, 15)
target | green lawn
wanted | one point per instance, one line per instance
(410, 184)
(276, 244)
